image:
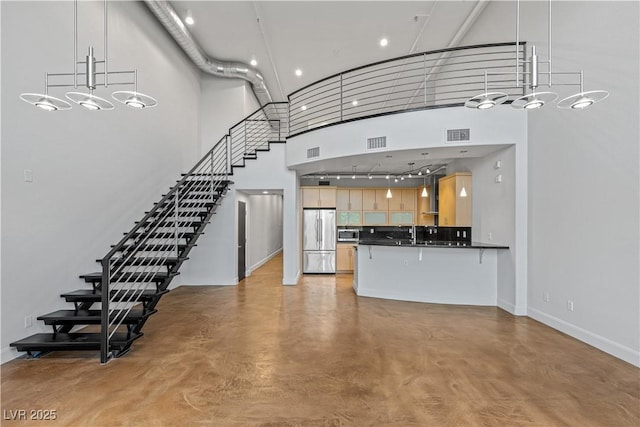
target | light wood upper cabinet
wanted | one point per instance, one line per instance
(453, 209)
(375, 199)
(349, 199)
(404, 199)
(318, 197)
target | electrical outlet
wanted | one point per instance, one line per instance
(28, 321)
(499, 178)
(490, 236)
(569, 305)
(498, 164)
(546, 297)
(28, 175)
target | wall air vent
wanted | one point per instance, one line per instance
(313, 152)
(377, 143)
(458, 135)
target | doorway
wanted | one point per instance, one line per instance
(242, 240)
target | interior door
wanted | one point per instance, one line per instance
(242, 240)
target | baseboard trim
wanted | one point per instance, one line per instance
(288, 282)
(8, 354)
(613, 348)
(263, 261)
(507, 306)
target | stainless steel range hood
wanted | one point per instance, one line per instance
(432, 183)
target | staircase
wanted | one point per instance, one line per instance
(109, 314)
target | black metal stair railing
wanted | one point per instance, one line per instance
(434, 79)
(151, 253)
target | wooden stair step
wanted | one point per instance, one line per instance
(92, 317)
(73, 341)
(88, 295)
(153, 277)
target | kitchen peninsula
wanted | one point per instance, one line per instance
(437, 272)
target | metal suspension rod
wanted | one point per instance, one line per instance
(75, 44)
(517, 42)
(106, 56)
(550, 73)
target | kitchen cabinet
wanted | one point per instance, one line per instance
(318, 197)
(375, 199)
(349, 199)
(423, 206)
(349, 218)
(374, 218)
(344, 258)
(401, 218)
(404, 199)
(453, 209)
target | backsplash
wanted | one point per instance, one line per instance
(423, 233)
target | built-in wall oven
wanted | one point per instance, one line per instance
(348, 235)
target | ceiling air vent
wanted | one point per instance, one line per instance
(458, 135)
(377, 143)
(313, 152)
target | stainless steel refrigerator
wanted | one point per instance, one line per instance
(319, 241)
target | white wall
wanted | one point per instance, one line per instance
(264, 236)
(214, 261)
(414, 130)
(494, 211)
(584, 179)
(223, 103)
(94, 173)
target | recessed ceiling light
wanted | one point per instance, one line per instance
(304, 107)
(384, 42)
(265, 192)
(189, 18)
(298, 72)
(354, 102)
(253, 62)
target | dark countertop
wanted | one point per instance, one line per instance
(431, 244)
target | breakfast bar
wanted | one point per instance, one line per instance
(436, 272)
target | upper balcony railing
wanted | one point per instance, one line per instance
(439, 78)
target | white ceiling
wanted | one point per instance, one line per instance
(320, 37)
(325, 37)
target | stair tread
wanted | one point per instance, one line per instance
(155, 276)
(91, 316)
(72, 341)
(88, 295)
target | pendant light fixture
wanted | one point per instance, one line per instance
(534, 99)
(89, 100)
(424, 188)
(389, 195)
(463, 191)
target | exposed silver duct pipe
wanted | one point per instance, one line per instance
(172, 22)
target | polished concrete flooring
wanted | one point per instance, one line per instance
(261, 354)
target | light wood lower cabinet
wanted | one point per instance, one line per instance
(344, 258)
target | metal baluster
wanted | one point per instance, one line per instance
(177, 216)
(228, 171)
(424, 65)
(212, 179)
(104, 314)
(340, 97)
(245, 138)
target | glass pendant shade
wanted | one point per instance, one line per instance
(45, 102)
(134, 99)
(89, 101)
(534, 100)
(389, 195)
(463, 192)
(424, 192)
(582, 100)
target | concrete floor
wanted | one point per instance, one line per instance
(315, 354)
